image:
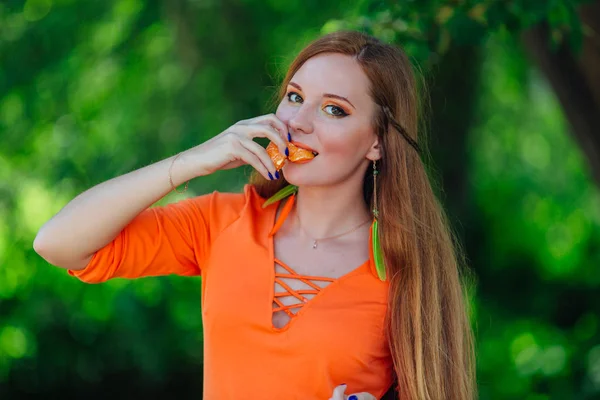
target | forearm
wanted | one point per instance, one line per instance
(95, 217)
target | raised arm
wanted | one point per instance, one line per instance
(95, 217)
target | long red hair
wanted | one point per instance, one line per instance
(428, 327)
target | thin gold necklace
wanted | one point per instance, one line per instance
(316, 241)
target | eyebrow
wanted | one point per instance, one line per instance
(335, 96)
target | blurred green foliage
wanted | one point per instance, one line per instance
(91, 90)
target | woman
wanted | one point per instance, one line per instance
(349, 284)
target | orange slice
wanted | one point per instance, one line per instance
(299, 154)
(296, 154)
(276, 156)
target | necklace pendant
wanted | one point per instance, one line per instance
(315, 244)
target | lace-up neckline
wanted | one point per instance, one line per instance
(290, 300)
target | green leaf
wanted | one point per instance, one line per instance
(282, 194)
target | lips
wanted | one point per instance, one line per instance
(305, 147)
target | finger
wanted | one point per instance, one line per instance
(338, 392)
(262, 154)
(278, 125)
(271, 119)
(250, 158)
(264, 130)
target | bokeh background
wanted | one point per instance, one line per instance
(93, 89)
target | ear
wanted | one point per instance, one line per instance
(374, 152)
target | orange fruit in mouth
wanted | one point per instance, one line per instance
(299, 154)
(296, 154)
(277, 158)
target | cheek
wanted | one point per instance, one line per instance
(345, 143)
(337, 145)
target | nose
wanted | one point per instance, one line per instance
(302, 121)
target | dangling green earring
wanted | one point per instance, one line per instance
(282, 194)
(376, 245)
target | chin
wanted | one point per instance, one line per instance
(302, 174)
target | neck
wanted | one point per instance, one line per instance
(326, 211)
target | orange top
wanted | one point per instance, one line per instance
(337, 336)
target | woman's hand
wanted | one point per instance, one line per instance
(235, 147)
(339, 394)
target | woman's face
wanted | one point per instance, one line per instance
(328, 109)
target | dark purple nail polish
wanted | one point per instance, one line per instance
(287, 152)
(353, 397)
(289, 137)
(270, 176)
(276, 174)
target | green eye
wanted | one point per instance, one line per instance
(291, 97)
(336, 111)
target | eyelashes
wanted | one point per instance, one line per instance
(336, 110)
(339, 112)
(290, 94)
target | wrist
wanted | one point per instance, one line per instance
(180, 171)
(192, 163)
